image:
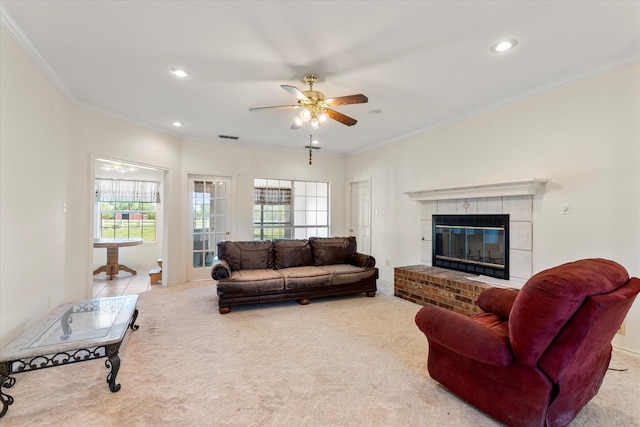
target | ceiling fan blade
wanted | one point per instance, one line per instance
(345, 120)
(349, 99)
(275, 107)
(295, 92)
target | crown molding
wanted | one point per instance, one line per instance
(8, 24)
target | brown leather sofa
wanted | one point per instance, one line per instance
(254, 272)
(534, 357)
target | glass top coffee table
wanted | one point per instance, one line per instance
(72, 332)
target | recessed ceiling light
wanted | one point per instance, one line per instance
(177, 124)
(180, 72)
(503, 45)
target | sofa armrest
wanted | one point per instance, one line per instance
(497, 301)
(464, 336)
(362, 260)
(220, 270)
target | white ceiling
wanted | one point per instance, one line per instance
(423, 63)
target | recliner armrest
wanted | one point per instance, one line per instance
(363, 260)
(464, 335)
(498, 301)
(220, 269)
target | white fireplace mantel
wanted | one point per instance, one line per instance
(498, 189)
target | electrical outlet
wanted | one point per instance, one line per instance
(623, 328)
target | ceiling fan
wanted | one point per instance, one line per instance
(316, 108)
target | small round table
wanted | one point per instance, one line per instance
(113, 267)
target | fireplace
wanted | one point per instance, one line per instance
(477, 244)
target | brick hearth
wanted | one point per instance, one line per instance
(448, 289)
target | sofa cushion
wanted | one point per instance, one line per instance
(332, 250)
(246, 255)
(342, 274)
(251, 282)
(292, 253)
(297, 278)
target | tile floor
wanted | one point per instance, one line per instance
(124, 283)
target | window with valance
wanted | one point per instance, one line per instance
(122, 190)
(126, 209)
(284, 209)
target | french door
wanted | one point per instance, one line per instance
(209, 222)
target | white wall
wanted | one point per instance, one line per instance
(35, 176)
(584, 138)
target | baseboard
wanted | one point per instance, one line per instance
(626, 350)
(385, 287)
(385, 282)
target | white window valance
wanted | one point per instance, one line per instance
(122, 190)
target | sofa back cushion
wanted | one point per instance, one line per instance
(247, 255)
(292, 253)
(332, 250)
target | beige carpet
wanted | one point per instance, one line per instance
(352, 361)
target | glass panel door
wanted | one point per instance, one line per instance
(208, 221)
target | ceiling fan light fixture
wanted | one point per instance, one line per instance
(305, 115)
(315, 107)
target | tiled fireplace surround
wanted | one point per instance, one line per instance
(424, 284)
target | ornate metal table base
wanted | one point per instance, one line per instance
(63, 358)
(5, 399)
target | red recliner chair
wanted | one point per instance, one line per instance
(538, 355)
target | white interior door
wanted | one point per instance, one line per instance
(360, 217)
(208, 222)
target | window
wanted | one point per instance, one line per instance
(285, 209)
(126, 209)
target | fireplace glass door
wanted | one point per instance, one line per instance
(472, 243)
